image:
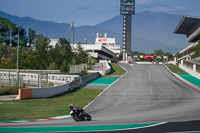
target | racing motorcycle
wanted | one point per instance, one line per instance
(80, 115)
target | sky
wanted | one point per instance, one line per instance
(91, 12)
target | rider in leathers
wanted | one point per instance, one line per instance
(75, 108)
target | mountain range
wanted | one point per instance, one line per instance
(150, 31)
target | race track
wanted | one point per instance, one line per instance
(146, 94)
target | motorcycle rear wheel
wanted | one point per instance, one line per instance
(89, 118)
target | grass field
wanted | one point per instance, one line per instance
(116, 70)
(52, 107)
(175, 69)
(44, 108)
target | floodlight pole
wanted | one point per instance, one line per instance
(18, 49)
(18, 55)
(10, 38)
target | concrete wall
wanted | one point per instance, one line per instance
(28, 93)
(33, 93)
(49, 91)
(102, 72)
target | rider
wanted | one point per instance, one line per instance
(75, 108)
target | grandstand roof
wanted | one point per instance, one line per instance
(186, 25)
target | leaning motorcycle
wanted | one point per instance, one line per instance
(80, 116)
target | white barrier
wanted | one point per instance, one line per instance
(102, 72)
(191, 72)
(49, 91)
(26, 93)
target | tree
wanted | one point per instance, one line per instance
(42, 45)
(82, 56)
(5, 27)
(158, 52)
(66, 54)
(53, 66)
(31, 36)
(197, 51)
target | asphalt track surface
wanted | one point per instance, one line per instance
(146, 94)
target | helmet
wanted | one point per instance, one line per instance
(71, 105)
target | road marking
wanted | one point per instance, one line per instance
(150, 88)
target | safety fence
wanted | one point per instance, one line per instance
(78, 68)
(34, 79)
(198, 68)
(83, 79)
(188, 64)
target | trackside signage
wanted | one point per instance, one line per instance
(127, 2)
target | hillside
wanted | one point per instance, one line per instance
(150, 30)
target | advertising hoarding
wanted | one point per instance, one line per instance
(127, 10)
(127, 2)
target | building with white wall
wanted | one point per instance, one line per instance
(108, 43)
(103, 49)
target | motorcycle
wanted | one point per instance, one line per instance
(78, 115)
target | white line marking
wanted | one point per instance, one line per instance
(151, 88)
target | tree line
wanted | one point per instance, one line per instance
(44, 57)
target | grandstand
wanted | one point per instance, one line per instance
(190, 26)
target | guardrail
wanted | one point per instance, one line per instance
(83, 79)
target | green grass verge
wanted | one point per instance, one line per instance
(45, 108)
(176, 69)
(116, 71)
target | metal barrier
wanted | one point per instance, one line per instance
(83, 79)
(33, 79)
(198, 68)
(188, 64)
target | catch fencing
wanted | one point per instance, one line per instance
(83, 79)
(78, 68)
(34, 79)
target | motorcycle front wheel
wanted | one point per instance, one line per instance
(89, 118)
(76, 118)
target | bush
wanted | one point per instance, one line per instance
(9, 90)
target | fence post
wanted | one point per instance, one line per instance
(47, 80)
(13, 80)
(0, 81)
(182, 62)
(194, 67)
(39, 81)
(9, 79)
